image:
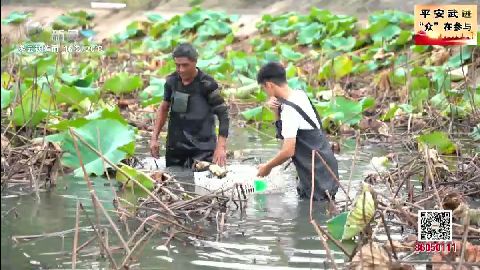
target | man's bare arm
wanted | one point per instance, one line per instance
(287, 151)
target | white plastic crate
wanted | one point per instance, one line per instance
(244, 175)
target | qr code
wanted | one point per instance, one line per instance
(435, 225)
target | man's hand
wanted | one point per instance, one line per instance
(264, 170)
(154, 148)
(273, 103)
(220, 156)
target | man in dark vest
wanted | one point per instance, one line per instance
(300, 128)
(191, 100)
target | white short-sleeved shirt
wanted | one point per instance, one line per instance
(292, 121)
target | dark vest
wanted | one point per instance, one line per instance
(191, 125)
(306, 141)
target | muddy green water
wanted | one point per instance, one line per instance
(274, 233)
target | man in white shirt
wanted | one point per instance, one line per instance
(300, 128)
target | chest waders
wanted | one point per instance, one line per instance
(191, 127)
(306, 141)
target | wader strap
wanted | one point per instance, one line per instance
(302, 113)
(316, 113)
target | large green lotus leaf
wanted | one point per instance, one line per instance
(361, 214)
(138, 29)
(33, 108)
(76, 80)
(344, 44)
(404, 37)
(214, 28)
(242, 92)
(281, 28)
(297, 83)
(140, 176)
(392, 16)
(310, 33)
(340, 25)
(16, 18)
(438, 140)
(153, 93)
(106, 113)
(239, 60)
(261, 45)
(288, 53)
(66, 22)
(73, 94)
(321, 15)
(259, 113)
(43, 63)
(336, 225)
(192, 18)
(459, 58)
(150, 44)
(111, 134)
(158, 29)
(344, 110)
(7, 97)
(68, 123)
(123, 83)
(205, 63)
(387, 33)
(173, 32)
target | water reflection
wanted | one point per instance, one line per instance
(273, 233)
